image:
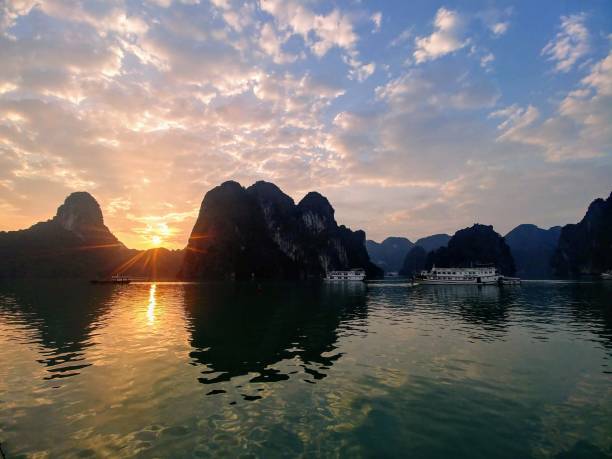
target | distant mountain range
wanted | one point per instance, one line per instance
(569, 251)
(390, 254)
(259, 232)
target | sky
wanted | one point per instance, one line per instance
(412, 117)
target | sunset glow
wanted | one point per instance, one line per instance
(413, 118)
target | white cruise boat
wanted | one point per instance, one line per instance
(480, 276)
(607, 275)
(350, 275)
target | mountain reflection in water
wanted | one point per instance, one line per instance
(240, 329)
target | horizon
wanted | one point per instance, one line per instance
(412, 119)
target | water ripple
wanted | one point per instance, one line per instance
(200, 370)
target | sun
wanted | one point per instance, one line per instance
(156, 241)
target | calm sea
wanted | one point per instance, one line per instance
(305, 370)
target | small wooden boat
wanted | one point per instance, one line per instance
(116, 279)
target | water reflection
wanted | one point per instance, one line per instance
(433, 371)
(151, 306)
(586, 308)
(246, 329)
(59, 317)
(484, 311)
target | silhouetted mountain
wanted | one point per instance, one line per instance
(260, 232)
(479, 244)
(75, 244)
(390, 253)
(532, 249)
(414, 262)
(433, 242)
(586, 247)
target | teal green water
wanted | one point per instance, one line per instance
(305, 370)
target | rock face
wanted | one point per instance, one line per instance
(414, 262)
(260, 232)
(81, 215)
(586, 247)
(390, 253)
(479, 244)
(77, 244)
(433, 242)
(532, 249)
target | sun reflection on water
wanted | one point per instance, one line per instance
(152, 302)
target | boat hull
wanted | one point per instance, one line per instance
(353, 275)
(457, 282)
(356, 279)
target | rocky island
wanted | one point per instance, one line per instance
(260, 232)
(586, 247)
(476, 245)
(76, 243)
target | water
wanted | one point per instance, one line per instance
(286, 370)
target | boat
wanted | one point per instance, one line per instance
(607, 275)
(355, 275)
(505, 280)
(114, 279)
(449, 276)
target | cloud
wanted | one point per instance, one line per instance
(329, 30)
(438, 89)
(402, 38)
(359, 71)
(600, 77)
(570, 44)
(376, 19)
(496, 20)
(579, 128)
(500, 28)
(10, 11)
(272, 45)
(486, 60)
(422, 132)
(449, 36)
